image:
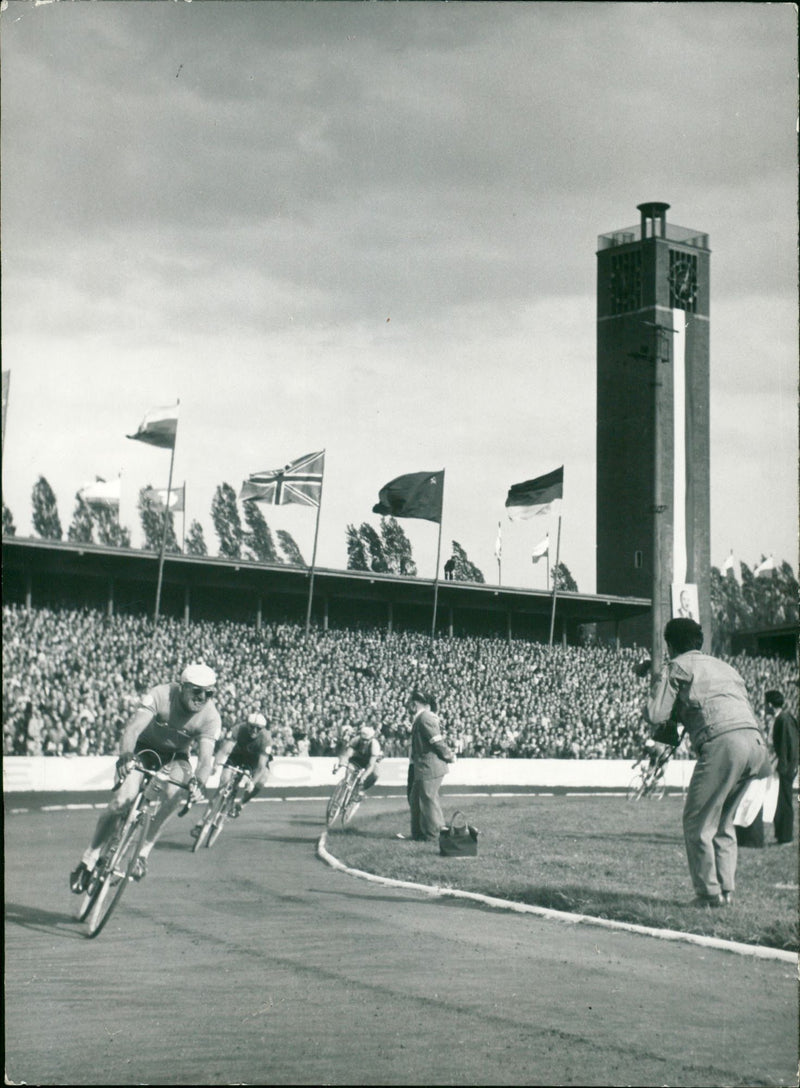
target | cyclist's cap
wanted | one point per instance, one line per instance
(199, 675)
(257, 719)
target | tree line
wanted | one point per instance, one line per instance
(747, 603)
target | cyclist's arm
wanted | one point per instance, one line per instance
(225, 751)
(137, 723)
(205, 759)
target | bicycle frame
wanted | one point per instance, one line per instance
(219, 809)
(341, 800)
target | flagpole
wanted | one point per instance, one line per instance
(499, 554)
(555, 581)
(183, 520)
(164, 532)
(436, 579)
(314, 555)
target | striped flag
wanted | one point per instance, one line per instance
(158, 428)
(101, 492)
(300, 482)
(158, 497)
(533, 497)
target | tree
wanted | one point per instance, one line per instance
(9, 528)
(258, 542)
(227, 523)
(374, 548)
(290, 549)
(465, 569)
(764, 601)
(397, 547)
(356, 552)
(151, 516)
(109, 530)
(195, 541)
(46, 521)
(81, 531)
(563, 579)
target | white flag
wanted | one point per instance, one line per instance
(498, 545)
(101, 492)
(765, 567)
(729, 564)
(541, 549)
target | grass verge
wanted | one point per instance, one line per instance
(597, 855)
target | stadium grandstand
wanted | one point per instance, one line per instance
(80, 646)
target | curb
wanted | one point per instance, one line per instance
(757, 951)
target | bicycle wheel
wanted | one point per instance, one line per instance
(636, 788)
(656, 790)
(206, 825)
(118, 873)
(336, 802)
(88, 898)
(350, 808)
(218, 816)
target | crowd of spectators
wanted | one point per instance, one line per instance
(72, 677)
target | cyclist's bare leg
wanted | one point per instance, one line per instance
(118, 805)
(174, 798)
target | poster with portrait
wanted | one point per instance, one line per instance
(685, 604)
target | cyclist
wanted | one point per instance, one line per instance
(250, 748)
(655, 753)
(363, 753)
(168, 721)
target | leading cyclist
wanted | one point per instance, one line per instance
(168, 721)
(249, 748)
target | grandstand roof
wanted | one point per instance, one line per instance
(50, 561)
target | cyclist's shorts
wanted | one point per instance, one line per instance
(155, 758)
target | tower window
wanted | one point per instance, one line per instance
(625, 281)
(637, 560)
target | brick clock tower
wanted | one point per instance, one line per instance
(653, 502)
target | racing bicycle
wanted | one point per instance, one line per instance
(346, 796)
(220, 809)
(648, 782)
(120, 852)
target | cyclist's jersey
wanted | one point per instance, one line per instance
(250, 744)
(362, 751)
(174, 729)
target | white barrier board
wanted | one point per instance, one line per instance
(87, 773)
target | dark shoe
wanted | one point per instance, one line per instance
(79, 879)
(140, 869)
(195, 832)
(707, 901)
(236, 810)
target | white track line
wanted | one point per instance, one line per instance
(759, 951)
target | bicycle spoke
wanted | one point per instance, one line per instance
(118, 873)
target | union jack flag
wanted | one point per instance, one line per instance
(300, 482)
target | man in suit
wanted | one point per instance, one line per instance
(785, 744)
(429, 760)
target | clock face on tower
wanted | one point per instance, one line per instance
(682, 280)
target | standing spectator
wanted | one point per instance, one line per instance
(428, 766)
(785, 743)
(710, 699)
(450, 569)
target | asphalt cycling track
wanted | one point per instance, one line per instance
(263, 961)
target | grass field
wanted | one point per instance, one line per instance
(594, 854)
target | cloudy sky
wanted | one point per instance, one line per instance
(371, 228)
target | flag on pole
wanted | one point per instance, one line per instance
(101, 492)
(541, 549)
(765, 567)
(533, 497)
(300, 482)
(415, 495)
(498, 544)
(158, 497)
(158, 428)
(729, 564)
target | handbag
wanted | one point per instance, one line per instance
(459, 839)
